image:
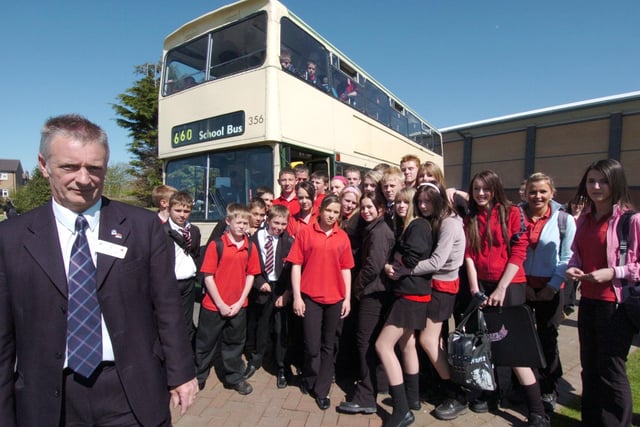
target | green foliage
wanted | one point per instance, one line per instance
(118, 184)
(32, 195)
(137, 111)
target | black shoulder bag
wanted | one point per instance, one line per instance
(470, 353)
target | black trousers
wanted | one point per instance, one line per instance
(231, 331)
(188, 296)
(605, 334)
(264, 322)
(99, 400)
(548, 315)
(320, 323)
(371, 316)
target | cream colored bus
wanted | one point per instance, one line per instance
(250, 88)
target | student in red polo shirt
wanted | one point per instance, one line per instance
(604, 328)
(321, 283)
(223, 312)
(494, 264)
(305, 193)
(287, 198)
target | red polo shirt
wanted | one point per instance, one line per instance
(322, 257)
(591, 243)
(292, 205)
(232, 270)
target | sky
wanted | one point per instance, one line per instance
(451, 61)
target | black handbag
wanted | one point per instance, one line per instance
(513, 335)
(470, 353)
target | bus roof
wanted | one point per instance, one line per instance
(233, 11)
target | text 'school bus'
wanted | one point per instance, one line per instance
(250, 88)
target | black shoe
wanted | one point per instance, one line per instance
(450, 409)
(479, 406)
(201, 385)
(248, 373)
(303, 387)
(354, 408)
(323, 403)
(242, 387)
(281, 379)
(415, 405)
(407, 420)
(536, 420)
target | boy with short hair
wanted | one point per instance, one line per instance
(266, 194)
(302, 172)
(186, 243)
(409, 166)
(270, 295)
(229, 267)
(320, 181)
(258, 211)
(160, 196)
(391, 182)
(288, 199)
(353, 176)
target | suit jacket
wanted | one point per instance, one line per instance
(282, 270)
(138, 298)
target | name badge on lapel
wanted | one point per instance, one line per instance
(111, 249)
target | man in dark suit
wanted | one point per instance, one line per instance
(141, 358)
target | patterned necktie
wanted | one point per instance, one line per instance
(187, 238)
(268, 262)
(84, 329)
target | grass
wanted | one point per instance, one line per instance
(570, 416)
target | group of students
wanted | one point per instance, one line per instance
(388, 251)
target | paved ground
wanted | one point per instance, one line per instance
(269, 406)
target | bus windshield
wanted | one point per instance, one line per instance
(229, 50)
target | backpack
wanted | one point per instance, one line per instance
(630, 291)
(562, 224)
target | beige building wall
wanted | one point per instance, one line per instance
(562, 143)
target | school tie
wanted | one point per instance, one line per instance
(268, 262)
(84, 329)
(187, 238)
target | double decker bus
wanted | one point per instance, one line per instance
(250, 88)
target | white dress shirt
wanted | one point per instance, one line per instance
(66, 225)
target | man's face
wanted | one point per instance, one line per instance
(302, 176)
(287, 183)
(180, 214)
(76, 172)
(410, 171)
(353, 178)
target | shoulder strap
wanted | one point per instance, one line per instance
(623, 232)
(523, 229)
(219, 248)
(562, 224)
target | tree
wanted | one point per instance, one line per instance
(137, 111)
(35, 193)
(118, 181)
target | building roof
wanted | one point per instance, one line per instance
(9, 165)
(626, 103)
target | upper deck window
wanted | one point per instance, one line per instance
(229, 50)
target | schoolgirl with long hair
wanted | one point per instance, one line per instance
(408, 311)
(494, 261)
(604, 328)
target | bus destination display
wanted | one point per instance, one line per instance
(219, 127)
